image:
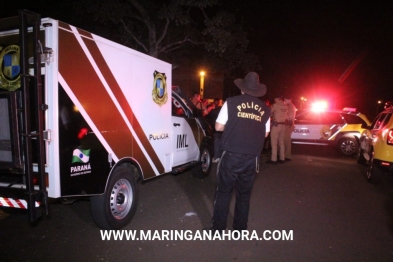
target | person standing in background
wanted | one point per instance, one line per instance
(279, 116)
(200, 105)
(211, 119)
(289, 127)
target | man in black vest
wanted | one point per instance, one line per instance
(245, 122)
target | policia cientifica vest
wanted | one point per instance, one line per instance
(245, 129)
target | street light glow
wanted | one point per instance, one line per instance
(303, 100)
(202, 84)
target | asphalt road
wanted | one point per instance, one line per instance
(334, 214)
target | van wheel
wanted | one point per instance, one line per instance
(348, 146)
(117, 206)
(204, 168)
(374, 173)
(360, 157)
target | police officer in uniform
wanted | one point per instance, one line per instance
(277, 135)
(289, 127)
(245, 122)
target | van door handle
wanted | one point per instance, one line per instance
(176, 124)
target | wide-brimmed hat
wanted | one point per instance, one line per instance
(250, 85)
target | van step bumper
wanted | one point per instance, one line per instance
(180, 169)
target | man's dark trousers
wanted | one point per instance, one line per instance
(234, 171)
(217, 144)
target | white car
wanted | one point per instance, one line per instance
(339, 128)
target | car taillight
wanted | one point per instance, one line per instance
(389, 138)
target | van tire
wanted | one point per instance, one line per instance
(348, 146)
(374, 173)
(117, 206)
(202, 170)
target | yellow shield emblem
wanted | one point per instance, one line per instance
(10, 68)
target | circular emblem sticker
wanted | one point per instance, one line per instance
(160, 94)
(10, 68)
(325, 132)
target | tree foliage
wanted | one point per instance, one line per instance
(165, 29)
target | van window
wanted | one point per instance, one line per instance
(352, 119)
(320, 118)
(177, 109)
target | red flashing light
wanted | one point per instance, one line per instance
(82, 132)
(319, 106)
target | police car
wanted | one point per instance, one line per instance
(376, 145)
(339, 128)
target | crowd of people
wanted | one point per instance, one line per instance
(283, 113)
(210, 112)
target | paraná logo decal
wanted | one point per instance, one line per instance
(80, 162)
(81, 156)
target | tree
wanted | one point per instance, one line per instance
(163, 28)
(229, 43)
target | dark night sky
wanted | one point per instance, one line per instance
(306, 46)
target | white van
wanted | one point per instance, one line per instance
(82, 116)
